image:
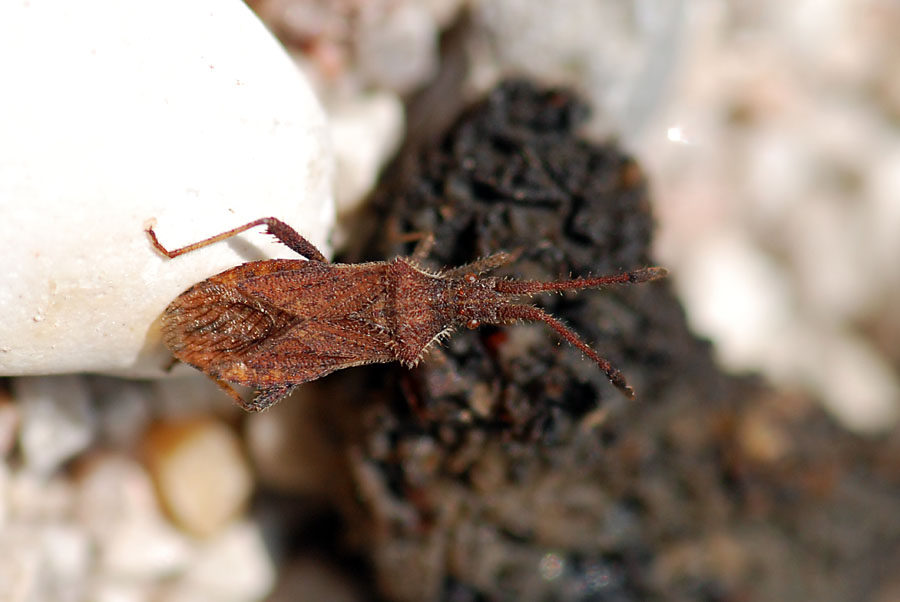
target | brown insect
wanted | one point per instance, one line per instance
(272, 325)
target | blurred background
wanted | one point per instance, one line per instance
(770, 136)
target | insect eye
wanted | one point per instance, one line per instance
(471, 278)
(473, 324)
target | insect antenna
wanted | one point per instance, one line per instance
(529, 313)
(528, 287)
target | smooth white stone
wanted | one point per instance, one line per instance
(20, 564)
(366, 133)
(32, 499)
(397, 45)
(104, 589)
(146, 550)
(117, 505)
(111, 491)
(620, 55)
(66, 560)
(200, 472)
(115, 114)
(5, 492)
(231, 567)
(58, 420)
(124, 410)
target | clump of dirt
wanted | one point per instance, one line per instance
(506, 467)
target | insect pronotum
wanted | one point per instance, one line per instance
(272, 325)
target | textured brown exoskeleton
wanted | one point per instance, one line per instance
(272, 325)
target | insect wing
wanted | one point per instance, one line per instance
(316, 290)
(209, 322)
(312, 349)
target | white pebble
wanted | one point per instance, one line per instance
(117, 504)
(58, 420)
(145, 550)
(112, 490)
(397, 46)
(189, 114)
(365, 133)
(43, 562)
(234, 566)
(201, 474)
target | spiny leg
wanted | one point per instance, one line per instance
(268, 397)
(280, 230)
(231, 392)
(529, 313)
(263, 399)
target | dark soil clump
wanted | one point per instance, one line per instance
(506, 467)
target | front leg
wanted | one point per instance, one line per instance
(263, 399)
(267, 397)
(228, 389)
(280, 230)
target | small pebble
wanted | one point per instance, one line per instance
(58, 420)
(202, 476)
(397, 47)
(144, 549)
(112, 490)
(365, 133)
(232, 566)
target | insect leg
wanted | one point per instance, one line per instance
(268, 396)
(482, 265)
(424, 244)
(423, 247)
(231, 392)
(275, 227)
(529, 313)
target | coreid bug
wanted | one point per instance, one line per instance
(272, 325)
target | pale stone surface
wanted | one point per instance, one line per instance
(47, 562)
(775, 173)
(42, 555)
(116, 503)
(115, 114)
(397, 45)
(201, 474)
(365, 133)
(233, 566)
(58, 420)
(144, 550)
(620, 54)
(101, 536)
(124, 409)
